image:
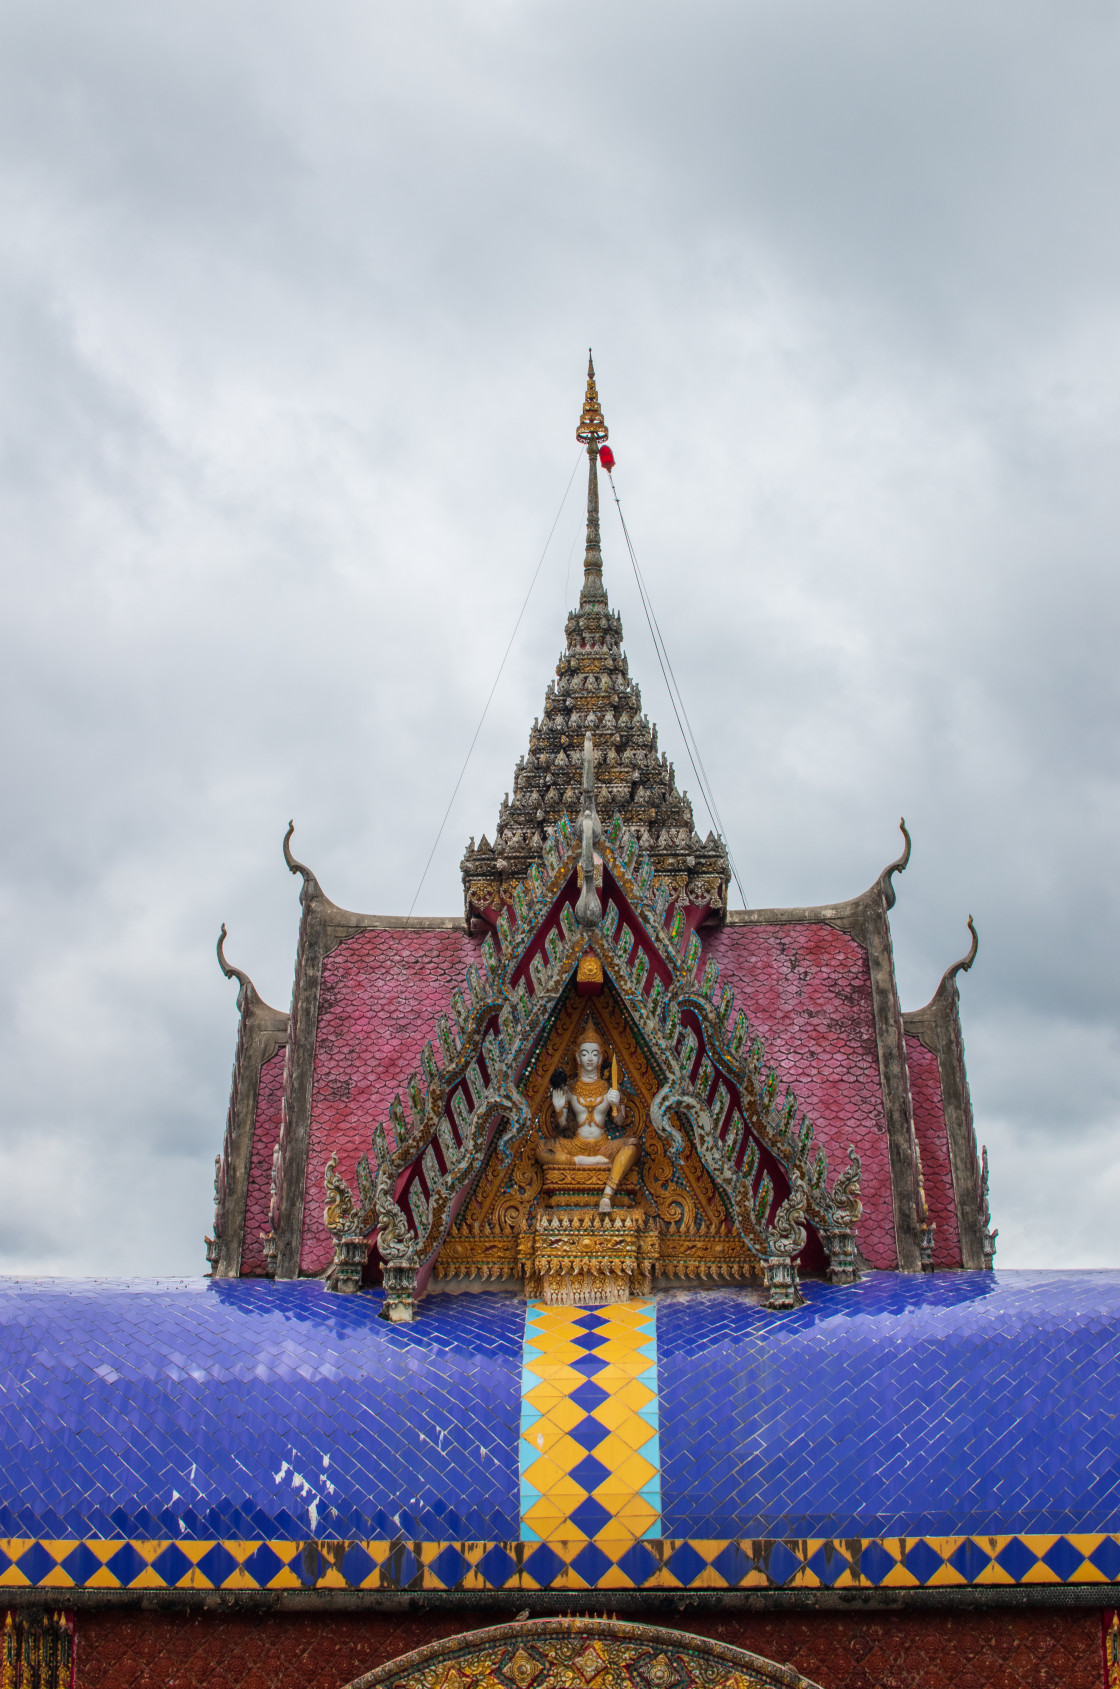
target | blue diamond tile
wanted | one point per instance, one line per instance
(591, 1563)
(170, 1564)
(217, 1564)
(922, 1561)
(589, 1396)
(1063, 1559)
(780, 1563)
(589, 1433)
(1016, 1558)
(875, 1563)
(449, 1566)
(543, 1565)
(81, 1563)
(639, 1563)
(35, 1563)
(400, 1568)
(685, 1564)
(733, 1564)
(590, 1516)
(497, 1566)
(589, 1365)
(969, 1559)
(591, 1321)
(357, 1564)
(126, 1564)
(592, 1340)
(589, 1472)
(1106, 1558)
(828, 1564)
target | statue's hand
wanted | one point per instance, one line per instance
(613, 1098)
(560, 1102)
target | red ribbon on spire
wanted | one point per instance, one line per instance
(606, 458)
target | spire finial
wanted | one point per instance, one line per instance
(592, 432)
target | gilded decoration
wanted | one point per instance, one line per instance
(578, 1653)
(721, 1145)
(535, 1219)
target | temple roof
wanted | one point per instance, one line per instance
(593, 693)
(904, 1432)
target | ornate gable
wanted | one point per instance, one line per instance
(717, 1117)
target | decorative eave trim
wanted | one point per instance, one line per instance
(850, 914)
(261, 1031)
(937, 1025)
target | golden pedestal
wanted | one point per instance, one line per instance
(572, 1254)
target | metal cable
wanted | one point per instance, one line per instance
(494, 688)
(688, 737)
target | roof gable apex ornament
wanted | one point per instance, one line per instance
(965, 963)
(246, 988)
(311, 891)
(885, 882)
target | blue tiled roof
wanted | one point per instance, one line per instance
(242, 1428)
(239, 1407)
(958, 1403)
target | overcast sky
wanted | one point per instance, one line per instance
(294, 309)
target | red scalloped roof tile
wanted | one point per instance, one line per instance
(933, 1140)
(805, 988)
(266, 1133)
(381, 996)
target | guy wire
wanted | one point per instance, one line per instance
(665, 663)
(494, 688)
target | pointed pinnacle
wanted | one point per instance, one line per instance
(592, 430)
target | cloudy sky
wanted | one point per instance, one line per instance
(294, 309)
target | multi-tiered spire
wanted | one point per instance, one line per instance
(593, 693)
(592, 432)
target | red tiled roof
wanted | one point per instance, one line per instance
(805, 988)
(266, 1132)
(382, 994)
(933, 1141)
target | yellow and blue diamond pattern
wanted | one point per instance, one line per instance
(665, 1564)
(590, 1458)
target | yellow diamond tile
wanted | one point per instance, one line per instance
(564, 1414)
(545, 1472)
(548, 1519)
(542, 1436)
(633, 1472)
(556, 1372)
(566, 1493)
(634, 1431)
(634, 1517)
(617, 1410)
(545, 1396)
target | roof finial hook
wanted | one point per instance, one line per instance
(965, 962)
(592, 432)
(886, 878)
(243, 980)
(589, 911)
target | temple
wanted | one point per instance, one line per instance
(773, 1083)
(601, 1289)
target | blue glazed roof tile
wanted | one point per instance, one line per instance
(958, 1404)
